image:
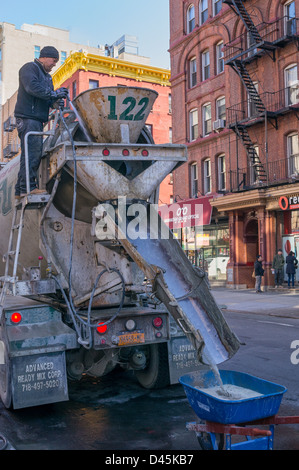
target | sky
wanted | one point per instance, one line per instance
(94, 22)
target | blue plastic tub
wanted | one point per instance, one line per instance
(210, 408)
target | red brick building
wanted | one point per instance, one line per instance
(234, 78)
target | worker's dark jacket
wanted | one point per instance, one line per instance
(34, 95)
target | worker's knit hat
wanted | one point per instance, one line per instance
(49, 51)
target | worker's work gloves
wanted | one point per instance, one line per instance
(58, 97)
(60, 93)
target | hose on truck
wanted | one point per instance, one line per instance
(68, 300)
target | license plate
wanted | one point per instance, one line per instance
(131, 338)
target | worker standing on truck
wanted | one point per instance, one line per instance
(35, 97)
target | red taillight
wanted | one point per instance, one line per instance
(16, 317)
(157, 322)
(106, 153)
(144, 153)
(101, 328)
(125, 152)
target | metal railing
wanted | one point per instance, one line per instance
(283, 29)
(278, 171)
(274, 103)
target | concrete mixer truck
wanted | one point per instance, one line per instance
(91, 276)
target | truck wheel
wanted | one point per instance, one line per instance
(5, 374)
(156, 373)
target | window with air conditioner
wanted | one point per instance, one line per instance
(293, 154)
(220, 122)
(207, 119)
(193, 123)
(190, 19)
(291, 85)
(192, 72)
(207, 176)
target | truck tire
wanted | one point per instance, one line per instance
(5, 373)
(156, 373)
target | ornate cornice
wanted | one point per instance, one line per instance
(109, 66)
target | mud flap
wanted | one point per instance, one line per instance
(182, 356)
(39, 379)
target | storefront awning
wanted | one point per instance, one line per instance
(187, 213)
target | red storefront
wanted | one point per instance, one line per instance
(202, 235)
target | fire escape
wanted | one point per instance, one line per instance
(258, 40)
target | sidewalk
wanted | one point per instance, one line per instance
(275, 302)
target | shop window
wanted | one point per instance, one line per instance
(194, 179)
(205, 65)
(203, 11)
(293, 154)
(291, 85)
(190, 19)
(192, 72)
(193, 123)
(221, 173)
(207, 176)
(217, 5)
(207, 119)
(219, 57)
(290, 18)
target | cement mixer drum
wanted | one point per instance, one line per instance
(115, 114)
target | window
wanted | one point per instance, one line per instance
(190, 18)
(63, 55)
(219, 57)
(252, 109)
(291, 85)
(193, 121)
(207, 119)
(74, 89)
(254, 171)
(170, 135)
(207, 176)
(203, 11)
(221, 173)
(205, 57)
(194, 179)
(290, 18)
(169, 104)
(36, 52)
(93, 84)
(220, 108)
(217, 6)
(192, 72)
(293, 154)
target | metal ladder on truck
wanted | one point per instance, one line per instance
(11, 283)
